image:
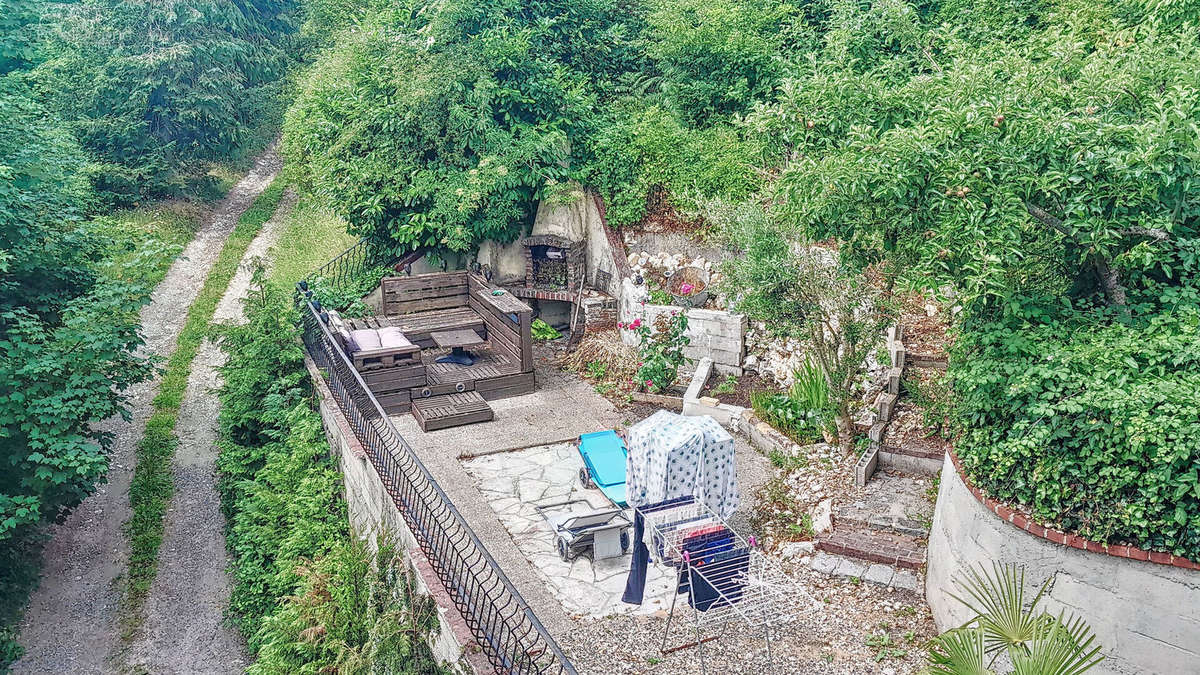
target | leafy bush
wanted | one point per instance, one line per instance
(648, 148)
(717, 58)
(442, 128)
(352, 613)
(789, 415)
(346, 296)
(305, 592)
(544, 331)
(279, 489)
(68, 331)
(152, 105)
(803, 289)
(1091, 425)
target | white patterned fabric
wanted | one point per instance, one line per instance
(671, 455)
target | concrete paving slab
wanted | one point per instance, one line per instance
(880, 575)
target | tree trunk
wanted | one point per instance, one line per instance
(845, 430)
(1110, 281)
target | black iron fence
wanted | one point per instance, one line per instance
(506, 629)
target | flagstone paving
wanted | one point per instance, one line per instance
(513, 482)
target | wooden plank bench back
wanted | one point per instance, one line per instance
(426, 303)
(424, 292)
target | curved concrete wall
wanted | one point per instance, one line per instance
(1146, 615)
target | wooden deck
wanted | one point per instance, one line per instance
(447, 303)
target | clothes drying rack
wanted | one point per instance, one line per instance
(726, 579)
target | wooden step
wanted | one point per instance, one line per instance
(451, 410)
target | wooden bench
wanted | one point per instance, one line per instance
(389, 372)
(428, 303)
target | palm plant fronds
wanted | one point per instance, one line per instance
(1034, 642)
(1062, 649)
(958, 652)
(998, 600)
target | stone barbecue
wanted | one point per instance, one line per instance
(553, 263)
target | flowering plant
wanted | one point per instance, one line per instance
(661, 351)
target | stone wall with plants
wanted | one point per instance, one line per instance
(714, 334)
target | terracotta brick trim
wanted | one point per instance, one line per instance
(1024, 522)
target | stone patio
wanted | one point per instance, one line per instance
(513, 482)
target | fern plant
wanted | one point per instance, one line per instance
(1033, 641)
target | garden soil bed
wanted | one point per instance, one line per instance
(747, 384)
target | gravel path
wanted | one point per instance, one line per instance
(184, 630)
(71, 625)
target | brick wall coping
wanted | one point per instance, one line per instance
(1027, 523)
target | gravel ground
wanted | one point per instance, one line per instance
(184, 631)
(71, 625)
(840, 630)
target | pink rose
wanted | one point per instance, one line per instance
(620, 324)
(649, 383)
(637, 323)
(686, 289)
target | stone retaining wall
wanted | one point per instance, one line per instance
(715, 334)
(372, 512)
(1145, 614)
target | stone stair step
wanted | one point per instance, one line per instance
(861, 518)
(891, 501)
(888, 548)
(872, 573)
(911, 460)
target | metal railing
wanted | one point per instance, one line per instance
(507, 630)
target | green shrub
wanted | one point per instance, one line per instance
(717, 57)
(544, 331)
(152, 106)
(660, 351)
(1091, 425)
(279, 488)
(352, 613)
(787, 414)
(347, 295)
(305, 592)
(444, 127)
(648, 148)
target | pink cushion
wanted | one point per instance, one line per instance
(364, 338)
(390, 336)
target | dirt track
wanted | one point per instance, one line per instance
(184, 631)
(71, 625)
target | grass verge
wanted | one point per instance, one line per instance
(153, 482)
(312, 236)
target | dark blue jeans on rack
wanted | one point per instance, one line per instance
(635, 584)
